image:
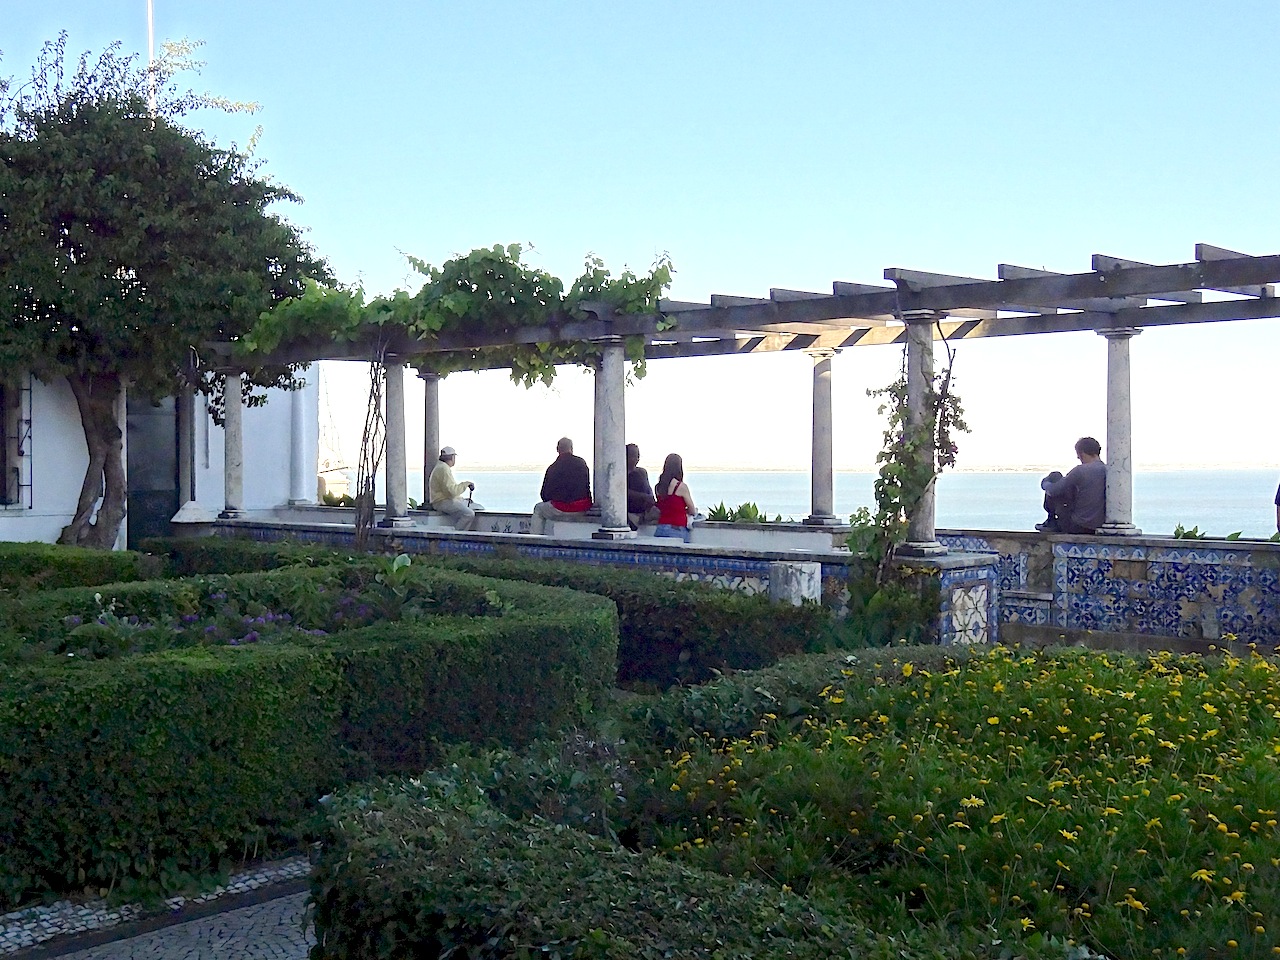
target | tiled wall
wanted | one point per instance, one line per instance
(1159, 587)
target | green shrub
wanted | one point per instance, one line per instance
(196, 555)
(1127, 803)
(428, 868)
(159, 767)
(979, 803)
(545, 663)
(130, 769)
(25, 567)
(671, 631)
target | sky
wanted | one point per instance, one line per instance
(767, 145)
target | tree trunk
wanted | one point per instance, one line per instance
(105, 482)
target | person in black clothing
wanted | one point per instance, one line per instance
(566, 488)
(641, 506)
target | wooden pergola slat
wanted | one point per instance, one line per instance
(1023, 301)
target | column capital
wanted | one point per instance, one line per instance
(821, 353)
(429, 375)
(923, 316)
(610, 340)
(1120, 333)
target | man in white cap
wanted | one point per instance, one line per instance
(445, 494)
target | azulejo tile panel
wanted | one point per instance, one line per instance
(969, 615)
(1025, 610)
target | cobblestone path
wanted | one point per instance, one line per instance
(262, 931)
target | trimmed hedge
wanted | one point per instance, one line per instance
(146, 768)
(669, 631)
(25, 567)
(156, 766)
(188, 556)
(675, 631)
(428, 868)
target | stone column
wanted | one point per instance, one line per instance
(599, 452)
(397, 512)
(233, 446)
(302, 475)
(1119, 450)
(186, 410)
(430, 427)
(610, 442)
(921, 540)
(822, 496)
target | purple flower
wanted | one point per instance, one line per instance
(251, 636)
(211, 628)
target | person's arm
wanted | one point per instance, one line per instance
(1065, 486)
(687, 497)
(545, 493)
(650, 500)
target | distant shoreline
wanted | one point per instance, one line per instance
(1025, 468)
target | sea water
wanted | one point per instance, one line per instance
(1219, 502)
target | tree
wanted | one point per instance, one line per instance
(126, 241)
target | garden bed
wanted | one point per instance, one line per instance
(154, 731)
(1055, 804)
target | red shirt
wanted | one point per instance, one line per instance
(673, 511)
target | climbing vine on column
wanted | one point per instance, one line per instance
(909, 461)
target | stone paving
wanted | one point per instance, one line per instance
(264, 931)
(33, 927)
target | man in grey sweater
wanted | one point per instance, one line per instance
(1078, 501)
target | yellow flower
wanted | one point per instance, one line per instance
(1069, 834)
(998, 817)
(1131, 901)
(1062, 729)
(993, 721)
(1205, 875)
(1235, 896)
(973, 802)
(1027, 924)
(908, 669)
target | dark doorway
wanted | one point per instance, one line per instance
(153, 468)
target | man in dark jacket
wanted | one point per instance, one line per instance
(641, 506)
(566, 488)
(1079, 500)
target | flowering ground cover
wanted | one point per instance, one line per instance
(1126, 804)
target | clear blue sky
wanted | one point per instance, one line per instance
(772, 145)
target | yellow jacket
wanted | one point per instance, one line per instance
(442, 486)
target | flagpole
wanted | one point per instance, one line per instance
(151, 55)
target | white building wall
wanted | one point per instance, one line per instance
(57, 458)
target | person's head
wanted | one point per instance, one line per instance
(564, 445)
(633, 456)
(1088, 449)
(448, 455)
(672, 469)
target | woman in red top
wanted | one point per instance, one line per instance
(675, 502)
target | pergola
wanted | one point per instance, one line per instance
(1117, 298)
